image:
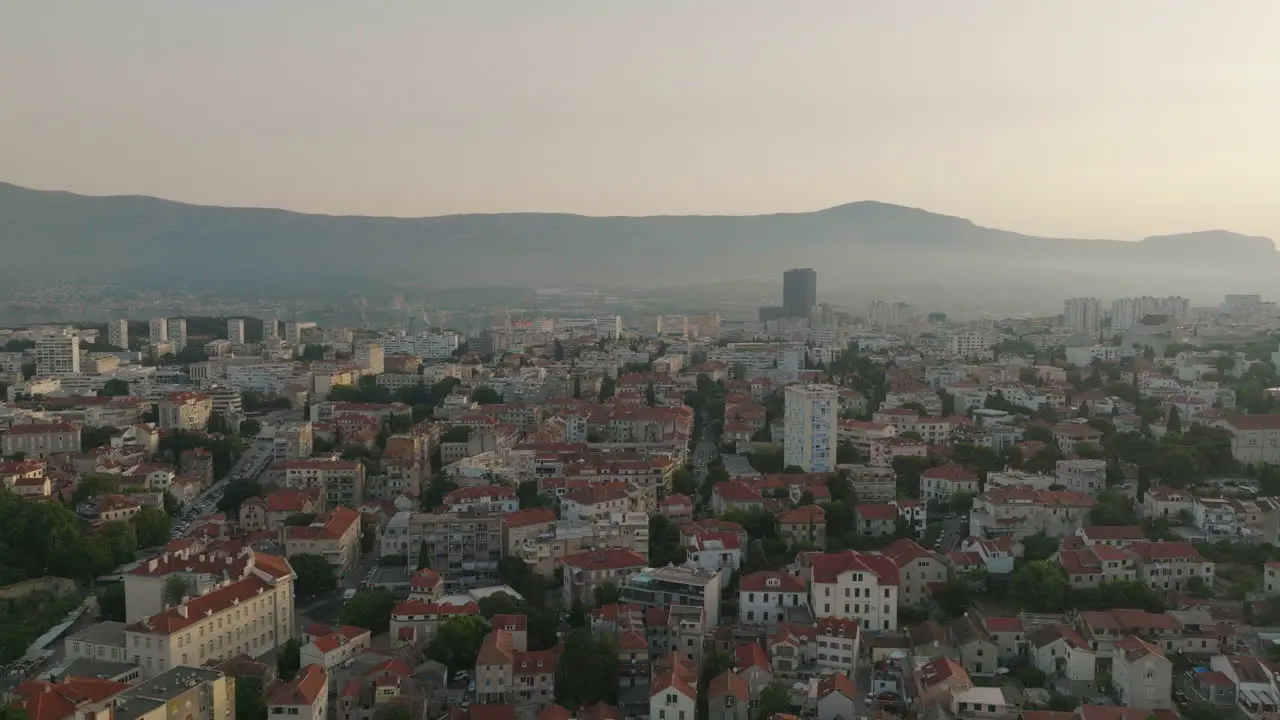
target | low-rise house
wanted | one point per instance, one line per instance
(586, 571)
(1215, 516)
(763, 597)
(839, 644)
(1171, 565)
(1256, 690)
(415, 621)
(1167, 504)
(1089, 567)
(752, 664)
(942, 482)
(1142, 675)
(673, 693)
(919, 571)
(507, 672)
(305, 697)
(735, 495)
(805, 524)
(837, 698)
(978, 652)
(335, 537)
(1020, 512)
(1010, 638)
(728, 697)
(676, 507)
(337, 646)
(1113, 535)
(1060, 651)
(876, 520)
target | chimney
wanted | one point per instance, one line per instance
(182, 610)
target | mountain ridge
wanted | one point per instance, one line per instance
(51, 234)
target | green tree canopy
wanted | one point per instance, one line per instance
(457, 642)
(369, 609)
(315, 575)
(153, 527)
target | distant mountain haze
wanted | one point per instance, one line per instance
(862, 248)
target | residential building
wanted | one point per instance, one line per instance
(334, 536)
(673, 585)
(876, 519)
(799, 292)
(837, 698)
(177, 333)
(805, 524)
(185, 411)
(341, 481)
(1215, 516)
(1019, 512)
(810, 416)
(1171, 565)
(1169, 504)
(57, 356)
(1255, 439)
(492, 498)
(463, 547)
(728, 697)
(673, 694)
(118, 333)
(338, 645)
(735, 495)
(1088, 567)
(1088, 477)
(306, 696)
(158, 331)
(918, 571)
(1071, 435)
(1082, 314)
(1142, 675)
(251, 616)
(1060, 651)
(38, 441)
(416, 620)
(764, 596)
(586, 571)
(235, 331)
(942, 482)
(508, 673)
(839, 644)
(853, 585)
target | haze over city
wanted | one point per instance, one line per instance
(1081, 119)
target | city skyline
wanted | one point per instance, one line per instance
(1059, 121)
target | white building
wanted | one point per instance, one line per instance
(306, 697)
(235, 331)
(764, 596)
(969, 343)
(1082, 314)
(852, 585)
(158, 331)
(810, 427)
(58, 356)
(118, 333)
(178, 333)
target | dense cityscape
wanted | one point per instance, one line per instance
(815, 511)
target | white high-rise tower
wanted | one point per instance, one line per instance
(810, 425)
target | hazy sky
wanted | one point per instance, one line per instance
(1110, 118)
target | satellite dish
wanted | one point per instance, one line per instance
(1002, 671)
(897, 655)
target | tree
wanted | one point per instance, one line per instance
(457, 642)
(369, 609)
(152, 526)
(175, 590)
(1038, 433)
(1039, 547)
(1198, 588)
(485, 395)
(120, 541)
(250, 428)
(607, 594)
(111, 602)
(529, 496)
(684, 482)
(424, 556)
(774, 698)
(251, 704)
(588, 670)
(300, 519)
(954, 597)
(1040, 586)
(94, 437)
(1112, 508)
(607, 385)
(236, 492)
(665, 547)
(1174, 423)
(91, 486)
(289, 661)
(315, 574)
(114, 388)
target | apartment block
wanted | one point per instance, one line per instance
(57, 356)
(185, 411)
(810, 422)
(463, 547)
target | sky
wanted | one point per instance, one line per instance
(1087, 118)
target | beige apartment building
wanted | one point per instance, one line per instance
(185, 411)
(335, 537)
(463, 547)
(247, 617)
(40, 440)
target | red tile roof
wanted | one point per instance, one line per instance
(770, 581)
(609, 559)
(877, 511)
(836, 682)
(304, 689)
(729, 683)
(40, 428)
(951, 473)
(803, 515)
(521, 518)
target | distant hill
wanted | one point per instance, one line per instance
(869, 246)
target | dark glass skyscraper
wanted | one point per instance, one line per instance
(799, 291)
